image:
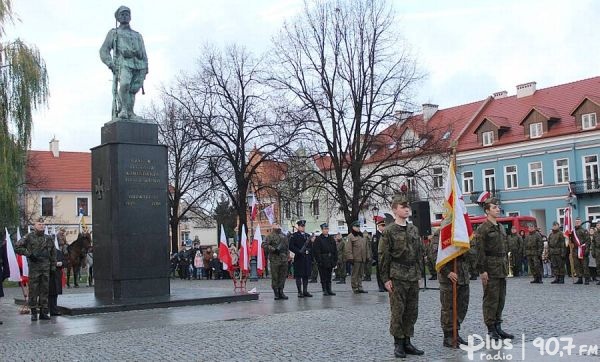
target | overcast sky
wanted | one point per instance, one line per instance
(468, 49)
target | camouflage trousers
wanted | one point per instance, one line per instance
(39, 283)
(340, 271)
(515, 259)
(558, 265)
(581, 266)
(535, 265)
(404, 305)
(368, 269)
(279, 272)
(358, 271)
(462, 304)
(494, 296)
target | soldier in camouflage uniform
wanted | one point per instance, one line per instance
(41, 256)
(596, 248)
(400, 264)
(515, 244)
(447, 277)
(278, 247)
(429, 253)
(581, 265)
(492, 266)
(340, 270)
(556, 249)
(534, 246)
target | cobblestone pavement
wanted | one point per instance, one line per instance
(345, 327)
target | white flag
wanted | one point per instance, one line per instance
(13, 266)
(270, 213)
(23, 258)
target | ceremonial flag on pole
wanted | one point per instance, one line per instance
(224, 255)
(270, 213)
(254, 211)
(456, 230)
(244, 263)
(22, 261)
(56, 242)
(28, 229)
(569, 231)
(258, 251)
(13, 266)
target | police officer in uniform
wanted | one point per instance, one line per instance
(278, 246)
(400, 263)
(534, 246)
(492, 266)
(41, 256)
(380, 221)
(325, 252)
(301, 246)
(556, 249)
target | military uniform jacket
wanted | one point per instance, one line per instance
(130, 51)
(534, 245)
(39, 250)
(375, 245)
(302, 253)
(584, 238)
(596, 246)
(357, 247)
(400, 253)
(325, 251)
(341, 249)
(514, 243)
(556, 243)
(491, 250)
(278, 247)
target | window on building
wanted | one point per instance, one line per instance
(588, 121)
(489, 179)
(535, 174)
(514, 214)
(468, 181)
(185, 238)
(287, 210)
(590, 172)
(315, 207)
(299, 209)
(82, 206)
(488, 138)
(536, 130)
(561, 168)
(47, 206)
(438, 177)
(560, 213)
(510, 173)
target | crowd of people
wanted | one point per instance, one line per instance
(196, 263)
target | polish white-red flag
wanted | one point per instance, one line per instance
(254, 210)
(224, 255)
(456, 230)
(22, 261)
(569, 231)
(258, 251)
(244, 262)
(13, 266)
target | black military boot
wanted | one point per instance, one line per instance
(410, 349)
(561, 279)
(44, 315)
(305, 292)
(460, 340)
(587, 281)
(448, 342)
(598, 283)
(502, 333)
(342, 281)
(540, 280)
(329, 289)
(281, 295)
(556, 280)
(493, 333)
(579, 281)
(324, 287)
(276, 292)
(34, 314)
(399, 348)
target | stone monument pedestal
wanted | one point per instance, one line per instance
(130, 212)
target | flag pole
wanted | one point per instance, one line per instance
(455, 269)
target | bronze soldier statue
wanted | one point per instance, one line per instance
(400, 263)
(492, 266)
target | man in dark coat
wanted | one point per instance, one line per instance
(380, 221)
(301, 246)
(4, 270)
(55, 285)
(325, 253)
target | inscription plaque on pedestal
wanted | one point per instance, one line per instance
(130, 212)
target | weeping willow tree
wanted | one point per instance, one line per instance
(23, 88)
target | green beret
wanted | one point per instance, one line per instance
(400, 199)
(356, 223)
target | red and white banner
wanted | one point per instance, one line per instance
(254, 211)
(456, 230)
(484, 196)
(13, 266)
(270, 213)
(258, 251)
(244, 262)
(569, 230)
(224, 255)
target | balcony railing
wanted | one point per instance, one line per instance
(585, 186)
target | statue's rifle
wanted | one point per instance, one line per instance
(115, 70)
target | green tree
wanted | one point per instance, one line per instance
(23, 88)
